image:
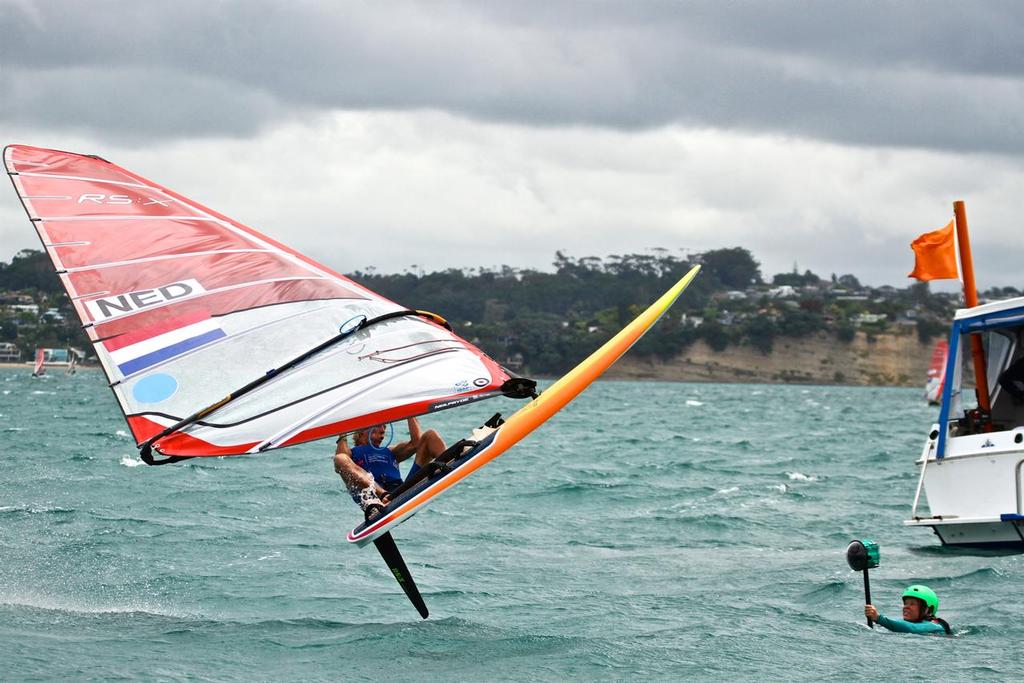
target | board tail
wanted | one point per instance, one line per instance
(389, 551)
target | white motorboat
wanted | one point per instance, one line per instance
(972, 459)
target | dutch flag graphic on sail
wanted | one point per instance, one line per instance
(143, 348)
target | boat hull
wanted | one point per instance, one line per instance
(975, 492)
(992, 534)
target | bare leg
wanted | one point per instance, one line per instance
(430, 446)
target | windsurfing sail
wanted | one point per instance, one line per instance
(936, 373)
(39, 369)
(72, 362)
(218, 340)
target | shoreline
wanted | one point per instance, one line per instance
(7, 365)
(891, 360)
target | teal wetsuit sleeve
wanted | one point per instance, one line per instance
(919, 627)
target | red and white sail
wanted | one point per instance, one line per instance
(185, 305)
(936, 373)
(39, 368)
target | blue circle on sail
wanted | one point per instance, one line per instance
(155, 388)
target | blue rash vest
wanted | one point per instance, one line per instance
(379, 462)
(919, 627)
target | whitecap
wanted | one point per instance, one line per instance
(691, 402)
(40, 393)
(129, 461)
(121, 432)
(799, 476)
(781, 487)
(61, 604)
(731, 489)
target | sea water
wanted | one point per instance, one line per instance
(651, 531)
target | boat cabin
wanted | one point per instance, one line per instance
(1000, 326)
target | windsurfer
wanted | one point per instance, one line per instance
(370, 470)
(920, 605)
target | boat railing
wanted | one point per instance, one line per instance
(1016, 482)
(920, 480)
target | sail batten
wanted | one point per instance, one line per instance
(185, 305)
(165, 257)
(54, 176)
(71, 219)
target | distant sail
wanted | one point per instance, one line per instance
(39, 369)
(936, 373)
(184, 305)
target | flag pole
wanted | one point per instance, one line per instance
(971, 300)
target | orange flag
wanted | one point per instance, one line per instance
(935, 255)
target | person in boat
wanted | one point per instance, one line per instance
(370, 470)
(920, 606)
(1012, 380)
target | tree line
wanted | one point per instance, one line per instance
(544, 322)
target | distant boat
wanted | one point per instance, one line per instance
(69, 359)
(936, 373)
(39, 368)
(972, 463)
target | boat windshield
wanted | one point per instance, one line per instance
(1004, 360)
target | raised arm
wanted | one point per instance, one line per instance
(406, 449)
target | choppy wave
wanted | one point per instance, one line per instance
(73, 606)
(32, 509)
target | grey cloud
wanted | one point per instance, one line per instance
(930, 75)
(94, 99)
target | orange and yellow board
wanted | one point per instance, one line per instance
(532, 415)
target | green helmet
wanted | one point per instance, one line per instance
(925, 594)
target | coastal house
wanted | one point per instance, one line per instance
(730, 295)
(10, 298)
(868, 318)
(25, 308)
(691, 320)
(9, 352)
(782, 292)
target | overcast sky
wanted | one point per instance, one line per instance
(464, 134)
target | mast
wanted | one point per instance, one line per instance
(971, 300)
